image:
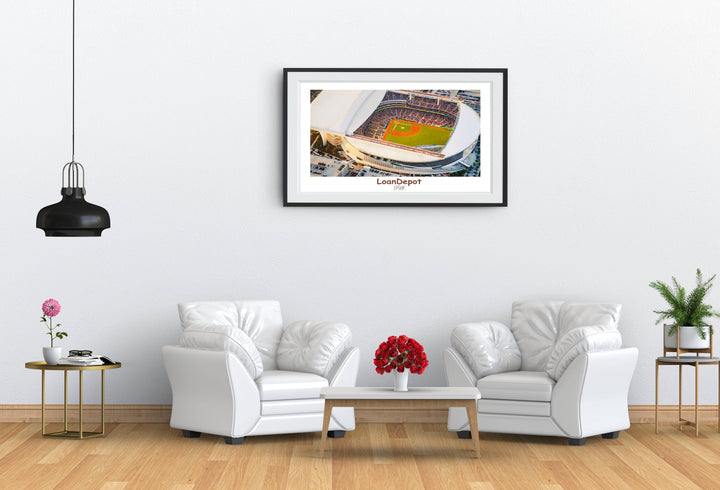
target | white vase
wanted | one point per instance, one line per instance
(689, 338)
(52, 355)
(401, 380)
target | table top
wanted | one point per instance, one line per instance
(688, 359)
(67, 367)
(387, 393)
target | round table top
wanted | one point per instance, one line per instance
(688, 360)
(67, 367)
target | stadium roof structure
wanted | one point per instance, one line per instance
(342, 112)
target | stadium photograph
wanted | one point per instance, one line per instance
(374, 133)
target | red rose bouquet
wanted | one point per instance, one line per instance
(400, 353)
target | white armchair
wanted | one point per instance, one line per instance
(238, 372)
(558, 370)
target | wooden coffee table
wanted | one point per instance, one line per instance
(421, 398)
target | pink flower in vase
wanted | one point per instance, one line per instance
(51, 307)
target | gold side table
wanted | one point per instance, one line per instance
(73, 434)
(692, 361)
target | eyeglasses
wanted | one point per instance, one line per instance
(80, 353)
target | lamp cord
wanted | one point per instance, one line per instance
(73, 81)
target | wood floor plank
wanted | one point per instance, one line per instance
(372, 456)
(396, 431)
(591, 459)
(674, 454)
(308, 471)
(649, 465)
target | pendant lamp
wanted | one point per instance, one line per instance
(73, 215)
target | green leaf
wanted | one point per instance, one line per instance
(685, 309)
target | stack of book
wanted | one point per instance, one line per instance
(81, 361)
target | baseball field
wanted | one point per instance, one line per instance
(415, 134)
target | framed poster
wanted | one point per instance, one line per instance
(395, 137)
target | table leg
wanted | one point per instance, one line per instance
(102, 402)
(680, 396)
(65, 400)
(42, 405)
(657, 373)
(80, 406)
(472, 419)
(697, 420)
(326, 425)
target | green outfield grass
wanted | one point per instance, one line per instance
(414, 134)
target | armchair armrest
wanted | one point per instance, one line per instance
(457, 373)
(344, 373)
(212, 391)
(345, 370)
(590, 397)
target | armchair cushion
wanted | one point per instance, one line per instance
(487, 347)
(533, 325)
(262, 321)
(204, 313)
(289, 385)
(229, 339)
(312, 347)
(574, 315)
(529, 386)
(577, 342)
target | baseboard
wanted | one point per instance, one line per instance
(91, 413)
(138, 414)
(645, 414)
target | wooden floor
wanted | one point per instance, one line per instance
(379, 456)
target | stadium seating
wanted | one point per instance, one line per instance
(409, 106)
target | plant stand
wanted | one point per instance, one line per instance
(695, 362)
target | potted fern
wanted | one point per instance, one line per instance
(688, 313)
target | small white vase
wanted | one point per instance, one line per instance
(401, 380)
(689, 338)
(52, 355)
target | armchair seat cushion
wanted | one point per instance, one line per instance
(531, 386)
(289, 385)
(514, 407)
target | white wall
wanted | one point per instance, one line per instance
(614, 117)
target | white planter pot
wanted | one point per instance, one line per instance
(401, 380)
(52, 355)
(689, 338)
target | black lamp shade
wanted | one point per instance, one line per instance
(73, 216)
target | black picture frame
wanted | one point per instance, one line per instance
(344, 162)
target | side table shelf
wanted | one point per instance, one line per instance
(80, 433)
(692, 361)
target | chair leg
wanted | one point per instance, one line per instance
(336, 434)
(611, 435)
(190, 434)
(464, 434)
(233, 440)
(576, 442)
